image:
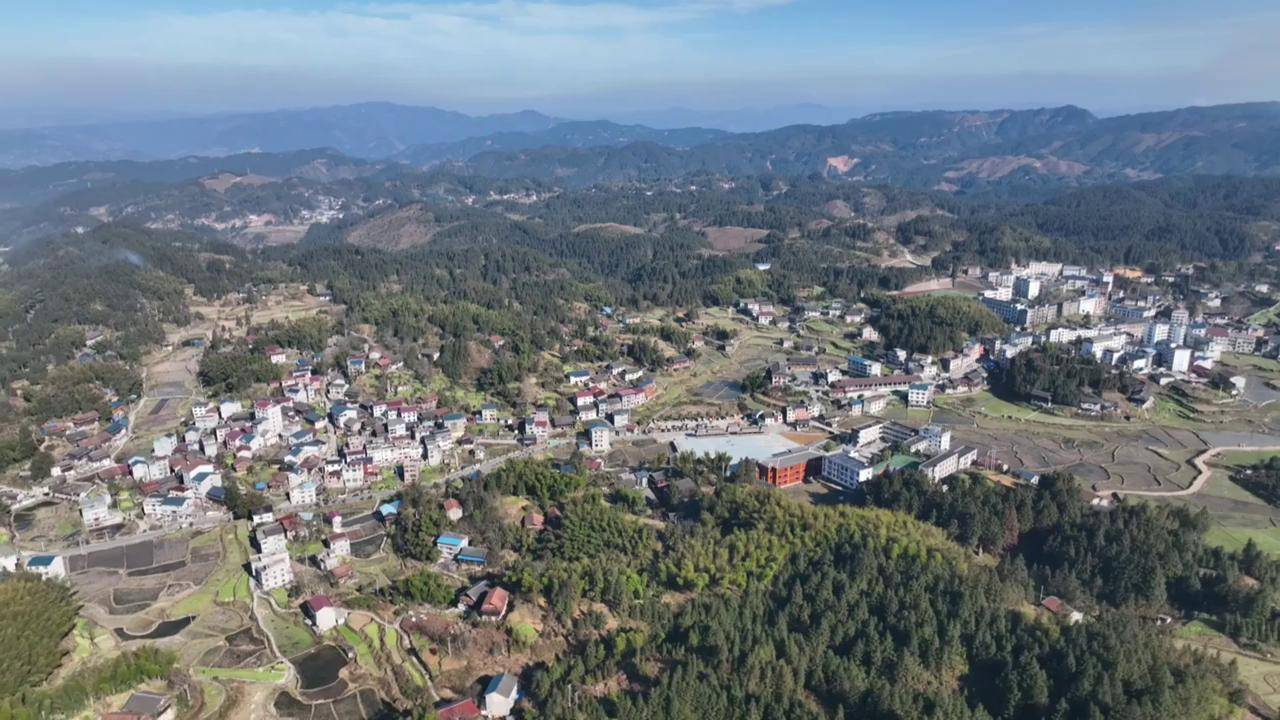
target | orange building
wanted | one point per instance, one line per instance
(789, 468)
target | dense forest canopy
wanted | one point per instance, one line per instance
(844, 612)
(934, 324)
(1060, 371)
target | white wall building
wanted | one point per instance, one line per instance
(846, 469)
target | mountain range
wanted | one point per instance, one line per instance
(1013, 152)
(945, 150)
(367, 130)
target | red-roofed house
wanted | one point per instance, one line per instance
(459, 710)
(322, 614)
(495, 603)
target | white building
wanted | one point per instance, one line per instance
(937, 439)
(947, 464)
(340, 544)
(164, 445)
(303, 494)
(1155, 332)
(96, 510)
(919, 394)
(271, 539)
(1027, 288)
(846, 469)
(322, 613)
(601, 437)
(50, 567)
(500, 695)
(272, 571)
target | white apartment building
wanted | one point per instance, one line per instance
(272, 571)
(846, 469)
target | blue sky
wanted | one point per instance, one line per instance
(116, 58)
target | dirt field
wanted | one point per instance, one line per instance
(609, 229)
(734, 239)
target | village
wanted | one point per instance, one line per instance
(313, 468)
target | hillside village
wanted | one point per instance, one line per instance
(318, 465)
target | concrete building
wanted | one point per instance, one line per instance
(321, 613)
(949, 463)
(450, 544)
(937, 439)
(846, 469)
(50, 567)
(863, 367)
(600, 435)
(1027, 288)
(500, 695)
(303, 494)
(787, 469)
(271, 571)
(920, 394)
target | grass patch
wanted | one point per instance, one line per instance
(363, 656)
(214, 696)
(1243, 458)
(1251, 361)
(1235, 538)
(374, 631)
(1197, 629)
(281, 596)
(228, 583)
(273, 674)
(301, 551)
(83, 636)
(291, 636)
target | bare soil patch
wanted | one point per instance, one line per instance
(734, 239)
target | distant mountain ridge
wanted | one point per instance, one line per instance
(568, 134)
(1013, 152)
(367, 130)
(945, 150)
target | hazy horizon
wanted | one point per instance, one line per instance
(80, 62)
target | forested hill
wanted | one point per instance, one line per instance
(123, 281)
(38, 183)
(801, 612)
(565, 135)
(367, 130)
(951, 151)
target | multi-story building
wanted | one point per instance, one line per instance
(919, 394)
(270, 539)
(787, 469)
(846, 469)
(937, 439)
(949, 463)
(1155, 332)
(272, 571)
(1027, 288)
(303, 494)
(600, 436)
(863, 367)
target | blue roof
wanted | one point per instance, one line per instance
(452, 539)
(387, 509)
(174, 502)
(41, 560)
(454, 417)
